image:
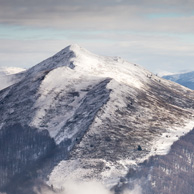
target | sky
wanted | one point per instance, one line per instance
(157, 34)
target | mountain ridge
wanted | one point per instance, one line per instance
(185, 79)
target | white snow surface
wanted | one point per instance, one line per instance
(162, 144)
(60, 80)
(73, 170)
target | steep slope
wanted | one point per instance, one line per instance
(80, 116)
(185, 79)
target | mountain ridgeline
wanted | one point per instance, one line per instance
(79, 116)
(185, 79)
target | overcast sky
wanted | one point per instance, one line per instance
(158, 35)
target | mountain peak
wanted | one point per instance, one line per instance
(65, 57)
(87, 64)
(71, 48)
(75, 48)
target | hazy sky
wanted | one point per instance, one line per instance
(157, 34)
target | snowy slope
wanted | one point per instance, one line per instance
(96, 111)
(88, 70)
(185, 79)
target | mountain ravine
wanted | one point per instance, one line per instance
(81, 117)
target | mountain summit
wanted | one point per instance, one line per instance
(80, 116)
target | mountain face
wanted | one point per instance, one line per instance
(185, 79)
(80, 117)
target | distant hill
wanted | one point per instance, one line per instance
(185, 79)
(8, 76)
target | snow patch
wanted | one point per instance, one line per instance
(74, 170)
(57, 86)
(162, 144)
(76, 187)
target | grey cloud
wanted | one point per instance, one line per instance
(52, 4)
(92, 14)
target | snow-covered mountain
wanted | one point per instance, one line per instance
(185, 79)
(78, 116)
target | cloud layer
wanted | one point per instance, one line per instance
(90, 187)
(160, 16)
